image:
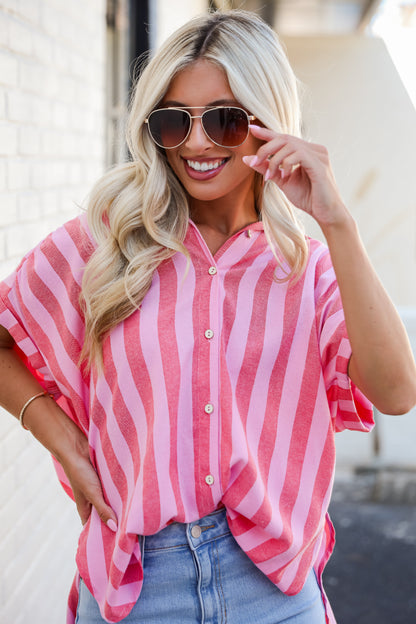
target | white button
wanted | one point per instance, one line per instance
(212, 270)
(249, 233)
(209, 480)
(196, 531)
(209, 408)
(209, 333)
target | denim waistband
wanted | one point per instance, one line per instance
(192, 534)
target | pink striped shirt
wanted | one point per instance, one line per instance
(226, 387)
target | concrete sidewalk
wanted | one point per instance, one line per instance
(371, 577)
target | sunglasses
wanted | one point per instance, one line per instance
(226, 126)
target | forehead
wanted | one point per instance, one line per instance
(199, 84)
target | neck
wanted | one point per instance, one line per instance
(223, 216)
(219, 220)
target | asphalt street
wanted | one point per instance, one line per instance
(371, 577)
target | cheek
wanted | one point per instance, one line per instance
(173, 161)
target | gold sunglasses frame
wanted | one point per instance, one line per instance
(192, 117)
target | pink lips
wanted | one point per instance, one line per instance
(204, 175)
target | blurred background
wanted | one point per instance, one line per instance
(66, 70)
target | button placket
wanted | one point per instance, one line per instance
(208, 431)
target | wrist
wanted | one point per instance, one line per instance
(53, 428)
(341, 225)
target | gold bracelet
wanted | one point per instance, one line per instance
(26, 405)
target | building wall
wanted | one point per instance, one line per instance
(52, 139)
(167, 16)
(355, 103)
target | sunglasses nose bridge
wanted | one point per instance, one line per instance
(197, 132)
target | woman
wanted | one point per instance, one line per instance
(194, 344)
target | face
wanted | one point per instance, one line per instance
(207, 171)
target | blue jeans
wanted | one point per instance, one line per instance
(196, 573)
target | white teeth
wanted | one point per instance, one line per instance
(204, 166)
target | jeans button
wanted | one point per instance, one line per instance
(196, 531)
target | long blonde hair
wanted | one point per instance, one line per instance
(138, 212)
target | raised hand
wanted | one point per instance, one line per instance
(302, 170)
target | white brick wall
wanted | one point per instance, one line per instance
(52, 148)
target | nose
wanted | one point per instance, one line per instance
(197, 138)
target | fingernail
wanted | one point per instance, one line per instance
(267, 175)
(250, 161)
(111, 525)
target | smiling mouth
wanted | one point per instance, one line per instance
(206, 166)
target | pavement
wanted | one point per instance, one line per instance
(371, 577)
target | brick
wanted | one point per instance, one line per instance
(3, 174)
(31, 75)
(2, 254)
(2, 104)
(29, 140)
(7, 486)
(28, 206)
(42, 111)
(28, 108)
(20, 37)
(42, 174)
(11, 5)
(19, 106)
(30, 10)
(18, 176)
(60, 115)
(42, 47)
(4, 31)
(50, 202)
(8, 211)
(8, 69)
(9, 513)
(49, 18)
(8, 139)
(20, 239)
(9, 265)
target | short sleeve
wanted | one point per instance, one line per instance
(39, 306)
(350, 409)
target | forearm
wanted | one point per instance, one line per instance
(43, 417)
(55, 430)
(382, 364)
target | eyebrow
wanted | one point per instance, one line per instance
(223, 102)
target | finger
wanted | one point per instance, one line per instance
(84, 509)
(252, 161)
(88, 493)
(276, 162)
(274, 143)
(265, 134)
(106, 514)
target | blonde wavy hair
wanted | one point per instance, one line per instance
(138, 212)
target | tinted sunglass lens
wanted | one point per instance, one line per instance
(168, 127)
(226, 126)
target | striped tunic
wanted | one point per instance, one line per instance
(224, 388)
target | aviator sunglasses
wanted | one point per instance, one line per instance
(226, 126)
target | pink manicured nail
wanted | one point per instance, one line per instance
(111, 525)
(267, 175)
